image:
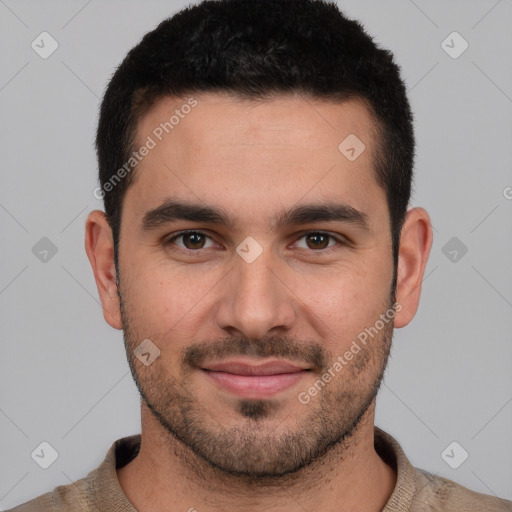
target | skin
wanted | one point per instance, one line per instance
(202, 446)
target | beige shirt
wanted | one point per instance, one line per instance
(416, 490)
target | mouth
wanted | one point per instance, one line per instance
(247, 379)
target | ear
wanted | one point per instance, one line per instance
(415, 244)
(99, 245)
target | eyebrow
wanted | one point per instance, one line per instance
(173, 210)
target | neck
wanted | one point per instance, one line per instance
(167, 476)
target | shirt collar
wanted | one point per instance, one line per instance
(109, 494)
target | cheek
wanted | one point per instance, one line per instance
(162, 296)
(348, 299)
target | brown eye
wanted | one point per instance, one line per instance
(317, 240)
(319, 243)
(193, 240)
(190, 240)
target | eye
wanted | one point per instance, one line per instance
(319, 241)
(192, 240)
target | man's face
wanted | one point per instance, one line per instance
(262, 288)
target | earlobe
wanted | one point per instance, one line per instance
(99, 246)
(415, 245)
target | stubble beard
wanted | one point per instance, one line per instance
(259, 447)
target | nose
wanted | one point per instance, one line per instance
(256, 299)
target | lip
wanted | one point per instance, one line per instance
(244, 367)
(255, 380)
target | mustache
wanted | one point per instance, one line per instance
(312, 353)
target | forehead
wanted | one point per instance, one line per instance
(222, 149)
(217, 118)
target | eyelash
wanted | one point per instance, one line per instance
(191, 252)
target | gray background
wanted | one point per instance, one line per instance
(64, 378)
